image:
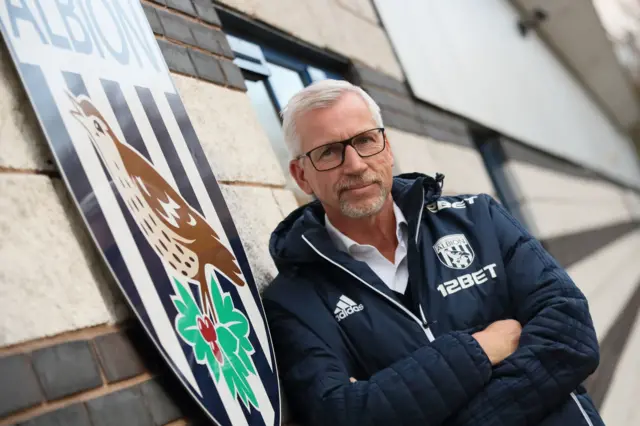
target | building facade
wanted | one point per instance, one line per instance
(496, 98)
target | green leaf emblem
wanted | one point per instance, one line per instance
(223, 346)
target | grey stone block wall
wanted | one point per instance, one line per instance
(191, 41)
(402, 111)
(120, 408)
(64, 373)
(22, 389)
(73, 415)
(66, 369)
(118, 357)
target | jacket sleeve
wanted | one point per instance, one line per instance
(558, 348)
(423, 389)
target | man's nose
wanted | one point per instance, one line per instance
(352, 161)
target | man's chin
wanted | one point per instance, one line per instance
(362, 208)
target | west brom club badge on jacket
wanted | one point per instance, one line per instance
(130, 157)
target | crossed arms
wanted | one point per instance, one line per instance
(501, 374)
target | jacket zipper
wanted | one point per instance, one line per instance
(423, 323)
(420, 217)
(584, 413)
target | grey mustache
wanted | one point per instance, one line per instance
(361, 181)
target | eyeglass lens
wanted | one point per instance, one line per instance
(331, 155)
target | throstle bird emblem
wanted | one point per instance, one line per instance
(460, 257)
(179, 235)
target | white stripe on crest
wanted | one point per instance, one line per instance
(230, 402)
(107, 202)
(211, 215)
(148, 135)
(253, 313)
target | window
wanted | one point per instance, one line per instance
(272, 78)
(490, 147)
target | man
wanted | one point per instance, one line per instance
(396, 306)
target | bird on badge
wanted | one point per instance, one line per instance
(180, 236)
(461, 257)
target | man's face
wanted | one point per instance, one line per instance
(360, 186)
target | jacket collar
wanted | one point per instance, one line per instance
(289, 249)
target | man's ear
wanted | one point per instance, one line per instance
(298, 173)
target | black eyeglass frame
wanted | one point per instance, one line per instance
(344, 149)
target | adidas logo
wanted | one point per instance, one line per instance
(346, 307)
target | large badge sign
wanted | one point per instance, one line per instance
(130, 157)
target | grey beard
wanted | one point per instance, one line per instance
(372, 207)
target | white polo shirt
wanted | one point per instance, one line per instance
(394, 275)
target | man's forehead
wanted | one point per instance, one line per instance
(349, 116)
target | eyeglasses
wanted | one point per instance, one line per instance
(331, 155)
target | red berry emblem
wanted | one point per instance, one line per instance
(209, 334)
(207, 330)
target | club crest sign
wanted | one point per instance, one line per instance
(454, 251)
(131, 159)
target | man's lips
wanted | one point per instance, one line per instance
(359, 186)
(356, 187)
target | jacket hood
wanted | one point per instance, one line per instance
(287, 245)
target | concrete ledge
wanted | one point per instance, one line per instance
(22, 141)
(53, 279)
(230, 133)
(286, 201)
(256, 213)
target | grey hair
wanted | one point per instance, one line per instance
(321, 94)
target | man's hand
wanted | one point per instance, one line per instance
(500, 339)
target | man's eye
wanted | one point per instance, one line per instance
(330, 152)
(363, 140)
(326, 153)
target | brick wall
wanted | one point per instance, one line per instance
(70, 353)
(69, 348)
(101, 376)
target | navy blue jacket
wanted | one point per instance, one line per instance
(470, 264)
